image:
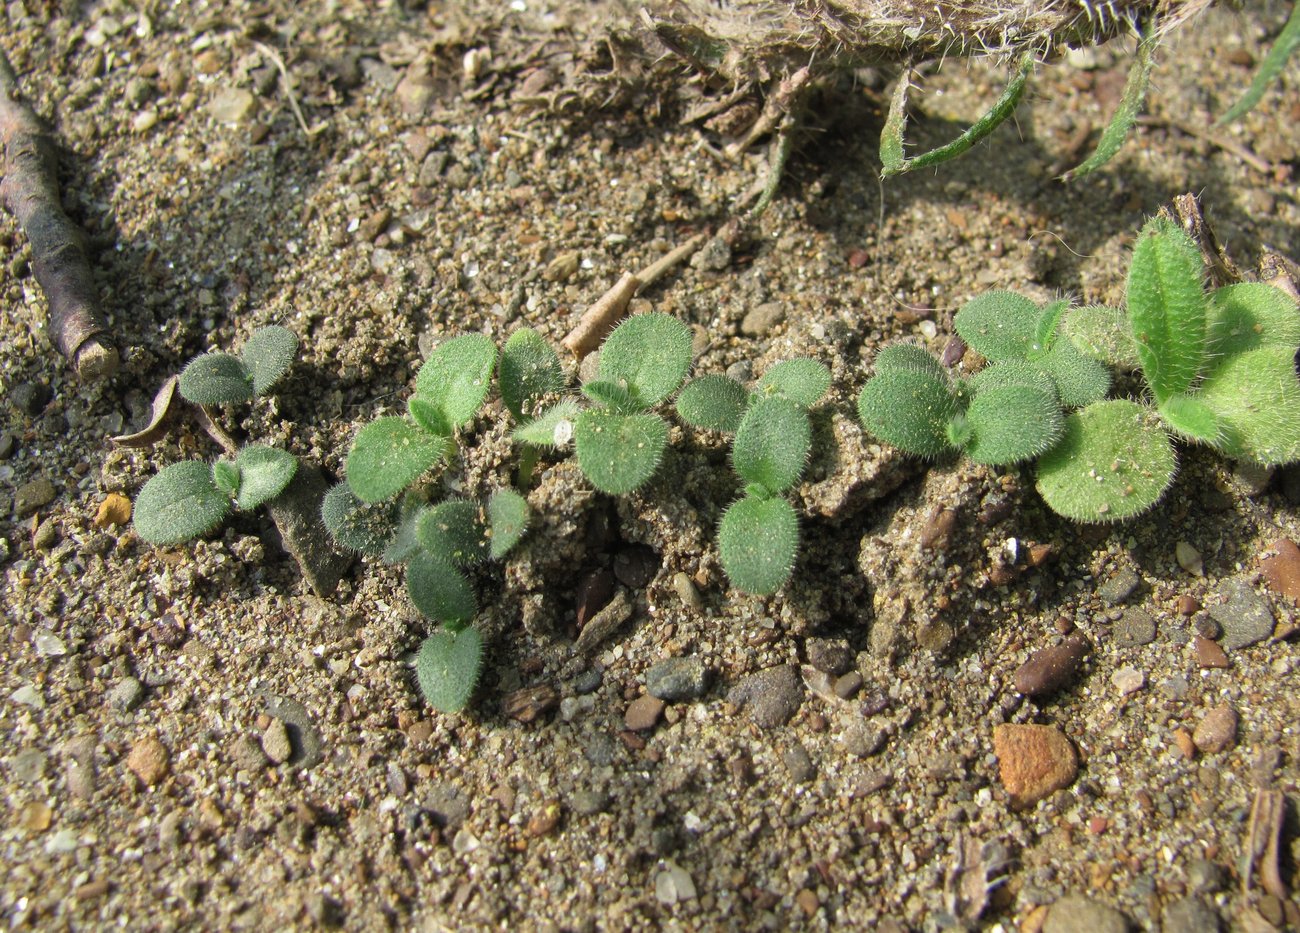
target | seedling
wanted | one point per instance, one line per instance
(619, 441)
(186, 500)
(758, 538)
(1219, 368)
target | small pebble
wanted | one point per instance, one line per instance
(127, 694)
(530, 703)
(589, 802)
(808, 901)
(832, 655)
(1217, 731)
(149, 760)
(1187, 606)
(231, 105)
(1186, 745)
(1208, 654)
(643, 713)
(1076, 913)
(685, 589)
(847, 686)
(672, 884)
(1033, 761)
(635, 566)
(1135, 627)
(246, 752)
(1053, 668)
(544, 819)
(1189, 559)
(762, 319)
(772, 696)
(1189, 915)
(275, 742)
(1119, 587)
(1281, 569)
(1244, 615)
(677, 679)
(1128, 680)
(864, 739)
(798, 763)
(32, 496)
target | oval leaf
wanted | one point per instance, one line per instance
(552, 428)
(1103, 334)
(507, 520)
(454, 532)
(358, 526)
(439, 590)
(802, 381)
(910, 357)
(1011, 423)
(1115, 461)
(1080, 379)
(1252, 315)
(618, 453)
(447, 668)
(771, 445)
(648, 353)
(180, 503)
(758, 540)
(388, 455)
(1167, 307)
(216, 379)
(264, 472)
(910, 410)
(529, 371)
(714, 402)
(999, 325)
(456, 377)
(1256, 396)
(268, 354)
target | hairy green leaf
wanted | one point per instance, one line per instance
(612, 395)
(1011, 373)
(180, 503)
(1130, 105)
(507, 520)
(802, 381)
(447, 668)
(405, 542)
(618, 453)
(1256, 397)
(454, 531)
(1249, 316)
(999, 325)
(1080, 380)
(215, 379)
(355, 525)
(757, 541)
(1288, 40)
(267, 356)
(428, 416)
(388, 455)
(912, 357)
(530, 370)
(1045, 329)
(439, 590)
(771, 445)
(910, 410)
(1103, 334)
(552, 428)
(648, 353)
(457, 376)
(264, 472)
(713, 402)
(1011, 423)
(226, 475)
(1114, 462)
(1167, 307)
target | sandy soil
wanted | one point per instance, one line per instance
(193, 739)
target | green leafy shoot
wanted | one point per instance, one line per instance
(771, 444)
(507, 521)
(447, 668)
(1251, 316)
(457, 376)
(1103, 334)
(389, 454)
(1130, 105)
(1009, 423)
(264, 472)
(910, 409)
(552, 428)
(758, 540)
(439, 590)
(648, 354)
(1284, 47)
(454, 531)
(713, 402)
(619, 453)
(1167, 308)
(529, 371)
(363, 527)
(802, 381)
(221, 378)
(999, 325)
(180, 503)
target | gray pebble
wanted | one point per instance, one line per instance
(28, 765)
(246, 752)
(396, 778)
(275, 742)
(1189, 915)
(449, 806)
(742, 371)
(677, 679)
(847, 686)
(1119, 587)
(864, 739)
(799, 763)
(762, 319)
(772, 696)
(685, 589)
(599, 750)
(587, 682)
(1136, 627)
(1205, 876)
(832, 655)
(29, 398)
(231, 105)
(46, 535)
(589, 802)
(1244, 615)
(8, 443)
(304, 736)
(1075, 913)
(31, 496)
(127, 694)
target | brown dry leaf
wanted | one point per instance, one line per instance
(114, 510)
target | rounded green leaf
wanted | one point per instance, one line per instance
(1011, 373)
(429, 416)
(618, 453)
(439, 590)
(1189, 417)
(507, 520)
(771, 445)
(456, 377)
(529, 371)
(226, 475)
(447, 668)
(1115, 461)
(215, 379)
(1252, 315)
(757, 541)
(1080, 379)
(910, 410)
(1103, 334)
(454, 531)
(1167, 307)
(713, 402)
(611, 395)
(802, 381)
(388, 455)
(264, 472)
(180, 503)
(268, 354)
(405, 542)
(355, 525)
(552, 428)
(648, 353)
(912, 358)
(1010, 423)
(999, 325)
(1256, 397)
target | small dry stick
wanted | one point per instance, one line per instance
(656, 270)
(599, 319)
(30, 191)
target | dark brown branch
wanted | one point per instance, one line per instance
(30, 191)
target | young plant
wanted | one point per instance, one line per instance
(186, 500)
(619, 441)
(758, 538)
